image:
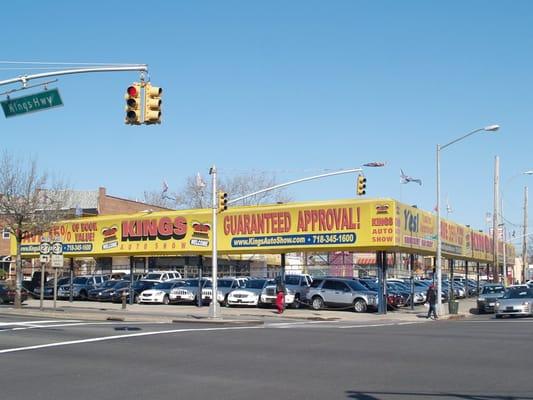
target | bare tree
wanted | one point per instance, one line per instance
(29, 204)
(197, 194)
(159, 199)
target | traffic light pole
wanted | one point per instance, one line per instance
(214, 308)
(344, 171)
(26, 78)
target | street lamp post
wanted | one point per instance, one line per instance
(490, 128)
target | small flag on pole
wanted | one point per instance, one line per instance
(407, 179)
(199, 181)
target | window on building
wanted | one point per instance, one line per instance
(5, 233)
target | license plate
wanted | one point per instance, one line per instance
(178, 297)
(492, 304)
(239, 301)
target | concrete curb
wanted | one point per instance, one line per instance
(102, 316)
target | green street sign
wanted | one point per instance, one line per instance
(33, 102)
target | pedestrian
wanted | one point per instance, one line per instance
(431, 299)
(280, 295)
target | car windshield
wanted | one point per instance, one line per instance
(370, 285)
(190, 283)
(255, 284)
(292, 280)
(493, 290)
(356, 285)
(518, 294)
(153, 276)
(79, 281)
(110, 284)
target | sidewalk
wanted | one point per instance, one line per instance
(187, 313)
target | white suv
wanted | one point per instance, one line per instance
(161, 276)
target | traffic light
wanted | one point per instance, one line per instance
(152, 104)
(222, 201)
(133, 104)
(361, 185)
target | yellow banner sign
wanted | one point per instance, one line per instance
(349, 225)
(308, 226)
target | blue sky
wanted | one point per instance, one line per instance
(292, 88)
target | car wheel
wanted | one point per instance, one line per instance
(83, 295)
(136, 299)
(317, 303)
(480, 311)
(166, 300)
(1, 300)
(225, 301)
(359, 306)
(498, 316)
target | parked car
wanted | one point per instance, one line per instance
(187, 291)
(161, 276)
(249, 294)
(515, 301)
(107, 290)
(224, 286)
(269, 295)
(7, 294)
(136, 276)
(490, 293)
(296, 287)
(394, 299)
(81, 286)
(49, 288)
(138, 287)
(159, 293)
(342, 293)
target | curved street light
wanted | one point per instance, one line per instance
(489, 128)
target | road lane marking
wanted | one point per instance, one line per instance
(62, 325)
(116, 337)
(37, 322)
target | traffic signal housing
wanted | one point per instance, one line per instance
(361, 185)
(222, 201)
(152, 104)
(133, 104)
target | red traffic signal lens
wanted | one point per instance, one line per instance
(132, 91)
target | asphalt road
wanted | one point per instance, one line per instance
(478, 358)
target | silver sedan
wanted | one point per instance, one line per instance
(515, 301)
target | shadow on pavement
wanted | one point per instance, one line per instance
(371, 395)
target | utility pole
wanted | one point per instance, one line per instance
(495, 222)
(214, 308)
(524, 240)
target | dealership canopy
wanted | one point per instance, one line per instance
(340, 225)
